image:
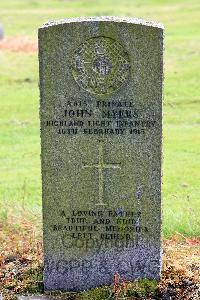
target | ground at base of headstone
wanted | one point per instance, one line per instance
(21, 271)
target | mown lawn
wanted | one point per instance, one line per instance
(20, 182)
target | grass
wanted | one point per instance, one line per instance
(20, 187)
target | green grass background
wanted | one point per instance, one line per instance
(20, 180)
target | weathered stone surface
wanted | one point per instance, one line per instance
(101, 133)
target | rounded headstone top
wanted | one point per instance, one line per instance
(104, 19)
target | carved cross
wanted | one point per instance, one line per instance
(101, 166)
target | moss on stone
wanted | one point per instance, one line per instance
(143, 287)
(102, 293)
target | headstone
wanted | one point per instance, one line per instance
(1, 32)
(101, 134)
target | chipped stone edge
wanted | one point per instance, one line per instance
(136, 21)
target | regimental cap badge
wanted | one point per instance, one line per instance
(100, 65)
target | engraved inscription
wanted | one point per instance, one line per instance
(100, 65)
(100, 228)
(115, 118)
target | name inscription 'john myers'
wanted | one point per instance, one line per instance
(114, 118)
